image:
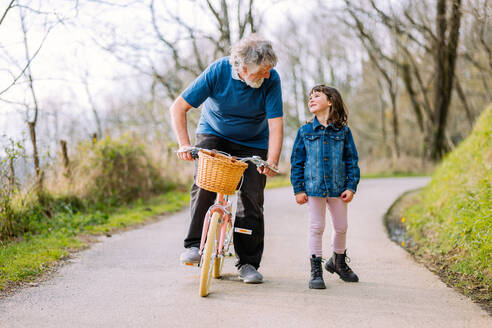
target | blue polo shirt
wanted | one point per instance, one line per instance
(233, 110)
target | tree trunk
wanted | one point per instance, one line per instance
(407, 79)
(37, 169)
(462, 97)
(395, 125)
(387, 148)
(445, 63)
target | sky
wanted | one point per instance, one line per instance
(70, 55)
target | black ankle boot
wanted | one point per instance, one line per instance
(316, 281)
(337, 264)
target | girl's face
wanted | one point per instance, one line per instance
(318, 103)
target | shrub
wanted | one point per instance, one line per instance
(112, 171)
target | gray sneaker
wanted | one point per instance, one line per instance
(249, 274)
(190, 255)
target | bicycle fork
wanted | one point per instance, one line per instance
(224, 236)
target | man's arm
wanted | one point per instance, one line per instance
(178, 119)
(276, 135)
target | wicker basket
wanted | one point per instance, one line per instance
(218, 173)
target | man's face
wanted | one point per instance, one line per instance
(254, 76)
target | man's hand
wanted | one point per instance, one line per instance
(267, 171)
(184, 155)
(347, 196)
(301, 198)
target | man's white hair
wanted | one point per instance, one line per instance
(252, 51)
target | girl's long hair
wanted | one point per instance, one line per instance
(338, 111)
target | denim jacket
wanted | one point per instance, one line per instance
(324, 160)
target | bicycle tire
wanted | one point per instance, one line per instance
(219, 261)
(206, 265)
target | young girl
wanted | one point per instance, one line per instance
(324, 174)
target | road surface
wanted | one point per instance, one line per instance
(134, 279)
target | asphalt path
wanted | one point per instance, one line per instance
(134, 279)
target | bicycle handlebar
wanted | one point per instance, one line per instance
(254, 159)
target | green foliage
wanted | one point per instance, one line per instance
(8, 188)
(116, 170)
(51, 238)
(141, 211)
(22, 261)
(453, 219)
(104, 175)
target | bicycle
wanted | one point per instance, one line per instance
(221, 173)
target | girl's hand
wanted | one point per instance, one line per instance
(301, 198)
(347, 196)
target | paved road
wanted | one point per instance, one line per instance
(134, 279)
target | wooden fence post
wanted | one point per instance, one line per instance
(66, 160)
(37, 168)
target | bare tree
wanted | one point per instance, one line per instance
(35, 108)
(10, 6)
(384, 64)
(217, 45)
(414, 31)
(445, 61)
(95, 112)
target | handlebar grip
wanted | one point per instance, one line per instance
(270, 167)
(192, 150)
(273, 169)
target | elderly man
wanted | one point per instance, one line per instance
(241, 115)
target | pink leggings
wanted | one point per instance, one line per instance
(317, 212)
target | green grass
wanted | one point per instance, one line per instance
(141, 211)
(451, 223)
(24, 260)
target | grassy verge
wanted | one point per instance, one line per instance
(26, 259)
(449, 221)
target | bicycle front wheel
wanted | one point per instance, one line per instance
(208, 253)
(219, 261)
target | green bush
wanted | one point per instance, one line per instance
(115, 170)
(103, 175)
(8, 189)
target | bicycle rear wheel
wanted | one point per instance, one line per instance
(208, 253)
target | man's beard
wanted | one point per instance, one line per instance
(254, 83)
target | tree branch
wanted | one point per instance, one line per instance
(6, 11)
